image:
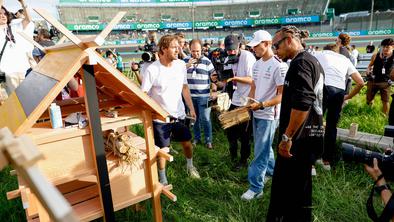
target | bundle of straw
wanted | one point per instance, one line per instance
(234, 117)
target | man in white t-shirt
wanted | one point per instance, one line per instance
(165, 81)
(241, 63)
(337, 68)
(268, 77)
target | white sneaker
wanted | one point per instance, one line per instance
(313, 172)
(326, 167)
(250, 195)
(319, 162)
(193, 173)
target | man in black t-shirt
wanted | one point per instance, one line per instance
(300, 128)
(378, 74)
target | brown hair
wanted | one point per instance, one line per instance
(45, 33)
(196, 41)
(332, 47)
(165, 42)
(180, 35)
(345, 39)
(10, 16)
(294, 32)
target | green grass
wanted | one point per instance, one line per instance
(338, 195)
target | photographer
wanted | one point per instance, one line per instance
(378, 74)
(199, 70)
(14, 48)
(381, 187)
(240, 65)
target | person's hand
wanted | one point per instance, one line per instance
(214, 77)
(284, 149)
(346, 97)
(374, 171)
(231, 79)
(193, 115)
(191, 62)
(254, 106)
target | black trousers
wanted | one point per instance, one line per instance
(291, 190)
(241, 132)
(332, 104)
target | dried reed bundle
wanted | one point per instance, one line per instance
(234, 117)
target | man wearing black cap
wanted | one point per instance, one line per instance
(241, 63)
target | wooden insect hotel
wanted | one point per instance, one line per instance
(95, 182)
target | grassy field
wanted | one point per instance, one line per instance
(338, 195)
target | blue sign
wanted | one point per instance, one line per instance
(236, 23)
(300, 19)
(177, 25)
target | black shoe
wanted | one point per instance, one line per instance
(240, 165)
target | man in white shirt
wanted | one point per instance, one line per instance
(268, 77)
(241, 63)
(165, 81)
(336, 68)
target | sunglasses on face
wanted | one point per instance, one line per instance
(277, 44)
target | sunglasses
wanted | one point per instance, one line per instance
(276, 45)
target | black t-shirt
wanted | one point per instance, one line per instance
(378, 65)
(298, 91)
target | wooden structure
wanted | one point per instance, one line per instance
(23, 155)
(75, 160)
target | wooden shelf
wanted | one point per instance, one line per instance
(43, 133)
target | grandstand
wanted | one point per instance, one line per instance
(230, 9)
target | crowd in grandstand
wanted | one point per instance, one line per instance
(287, 85)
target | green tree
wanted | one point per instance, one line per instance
(342, 6)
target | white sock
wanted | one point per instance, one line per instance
(189, 162)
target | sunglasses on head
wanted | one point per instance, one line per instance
(277, 44)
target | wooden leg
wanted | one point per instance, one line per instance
(151, 166)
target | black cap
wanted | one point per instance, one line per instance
(231, 42)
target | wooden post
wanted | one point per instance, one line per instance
(96, 133)
(151, 165)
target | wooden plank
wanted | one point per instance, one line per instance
(100, 38)
(62, 40)
(98, 152)
(12, 114)
(151, 166)
(82, 194)
(49, 18)
(77, 184)
(66, 160)
(56, 64)
(29, 39)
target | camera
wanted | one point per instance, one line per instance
(359, 155)
(149, 52)
(148, 56)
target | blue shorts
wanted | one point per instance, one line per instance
(164, 132)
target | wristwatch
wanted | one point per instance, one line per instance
(285, 138)
(379, 189)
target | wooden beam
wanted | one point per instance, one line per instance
(29, 39)
(49, 18)
(101, 37)
(91, 100)
(152, 181)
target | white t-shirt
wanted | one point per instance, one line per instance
(15, 57)
(267, 76)
(164, 85)
(337, 68)
(242, 69)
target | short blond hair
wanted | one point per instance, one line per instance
(165, 42)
